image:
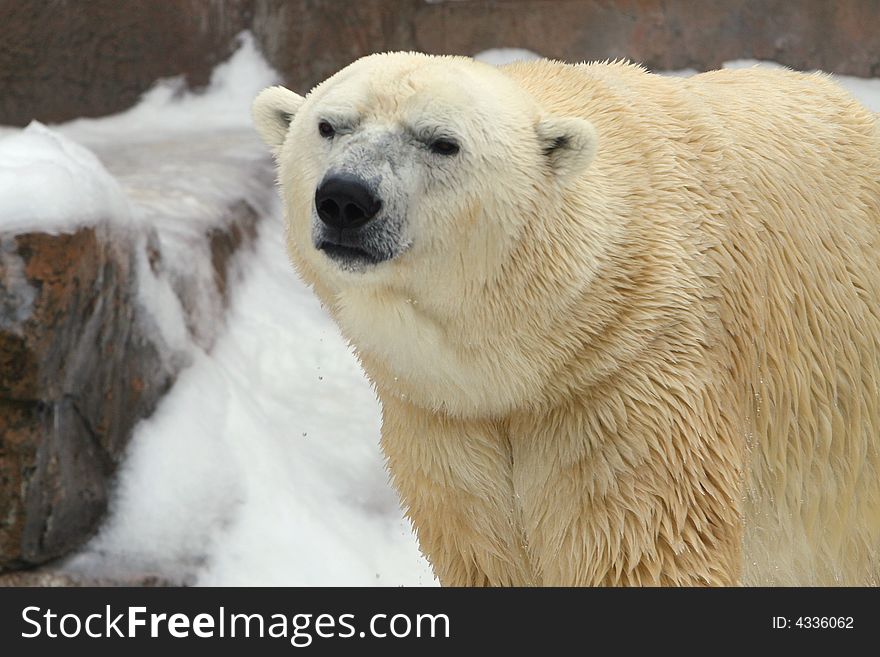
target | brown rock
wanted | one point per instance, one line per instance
(79, 367)
(77, 376)
(240, 230)
(68, 58)
(53, 474)
(49, 577)
(307, 40)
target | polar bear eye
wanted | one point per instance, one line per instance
(444, 147)
(326, 130)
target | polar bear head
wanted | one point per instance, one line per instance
(409, 181)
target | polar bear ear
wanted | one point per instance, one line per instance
(569, 143)
(272, 111)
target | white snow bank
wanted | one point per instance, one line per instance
(179, 158)
(52, 184)
(182, 159)
(183, 156)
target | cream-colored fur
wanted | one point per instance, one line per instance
(636, 337)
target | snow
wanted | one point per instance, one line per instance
(261, 466)
(179, 188)
(169, 109)
(73, 160)
(500, 56)
(53, 184)
(188, 155)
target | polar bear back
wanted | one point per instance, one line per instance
(777, 175)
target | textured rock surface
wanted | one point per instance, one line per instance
(76, 375)
(61, 59)
(47, 577)
(122, 47)
(78, 370)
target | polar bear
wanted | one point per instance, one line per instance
(624, 328)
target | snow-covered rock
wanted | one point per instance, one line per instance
(118, 244)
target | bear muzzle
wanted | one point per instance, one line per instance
(345, 202)
(345, 205)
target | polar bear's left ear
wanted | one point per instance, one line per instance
(272, 111)
(569, 143)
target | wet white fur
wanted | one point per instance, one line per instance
(635, 336)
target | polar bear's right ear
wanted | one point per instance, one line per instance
(272, 111)
(569, 143)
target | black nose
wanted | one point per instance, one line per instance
(345, 202)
